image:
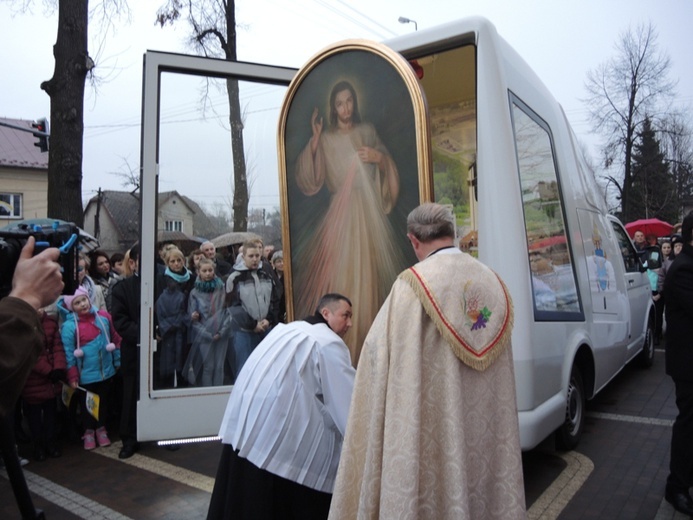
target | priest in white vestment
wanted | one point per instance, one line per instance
(433, 429)
(285, 421)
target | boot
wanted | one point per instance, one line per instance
(39, 451)
(53, 450)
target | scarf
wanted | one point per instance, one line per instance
(180, 278)
(208, 286)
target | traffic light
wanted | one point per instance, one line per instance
(41, 133)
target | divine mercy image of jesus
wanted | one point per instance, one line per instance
(352, 250)
(352, 160)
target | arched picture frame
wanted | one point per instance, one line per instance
(354, 160)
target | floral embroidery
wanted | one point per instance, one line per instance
(477, 316)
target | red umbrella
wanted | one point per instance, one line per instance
(649, 226)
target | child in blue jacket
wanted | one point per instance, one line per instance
(93, 356)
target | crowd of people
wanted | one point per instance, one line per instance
(672, 293)
(305, 434)
(210, 314)
(665, 250)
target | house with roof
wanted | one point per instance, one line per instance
(23, 174)
(113, 217)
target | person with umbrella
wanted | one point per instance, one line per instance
(649, 226)
(640, 243)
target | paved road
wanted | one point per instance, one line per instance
(617, 472)
(620, 467)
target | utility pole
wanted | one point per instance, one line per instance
(97, 227)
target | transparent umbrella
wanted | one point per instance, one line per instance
(233, 238)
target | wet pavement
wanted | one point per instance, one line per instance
(617, 472)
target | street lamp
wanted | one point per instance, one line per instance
(404, 19)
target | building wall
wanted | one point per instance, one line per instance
(109, 238)
(32, 185)
(175, 209)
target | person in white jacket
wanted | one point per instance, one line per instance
(285, 420)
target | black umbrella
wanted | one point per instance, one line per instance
(184, 242)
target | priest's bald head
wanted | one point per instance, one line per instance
(430, 227)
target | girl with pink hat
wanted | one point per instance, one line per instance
(93, 356)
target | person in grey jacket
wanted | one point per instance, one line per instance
(253, 303)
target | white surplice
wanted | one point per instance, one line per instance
(288, 410)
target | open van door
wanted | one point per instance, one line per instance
(639, 291)
(187, 175)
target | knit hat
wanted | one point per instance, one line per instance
(81, 291)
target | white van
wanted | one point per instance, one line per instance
(527, 205)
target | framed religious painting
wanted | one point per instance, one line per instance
(354, 159)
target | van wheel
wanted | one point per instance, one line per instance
(646, 356)
(568, 435)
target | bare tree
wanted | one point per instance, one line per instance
(218, 214)
(213, 33)
(129, 175)
(622, 92)
(66, 91)
(267, 224)
(678, 144)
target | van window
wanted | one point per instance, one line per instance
(630, 256)
(550, 262)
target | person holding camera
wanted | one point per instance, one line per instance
(37, 282)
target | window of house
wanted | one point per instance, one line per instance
(174, 225)
(11, 205)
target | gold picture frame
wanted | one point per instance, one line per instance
(354, 160)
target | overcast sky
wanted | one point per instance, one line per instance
(561, 40)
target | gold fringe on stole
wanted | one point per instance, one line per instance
(477, 358)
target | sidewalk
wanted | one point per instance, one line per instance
(627, 436)
(617, 472)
